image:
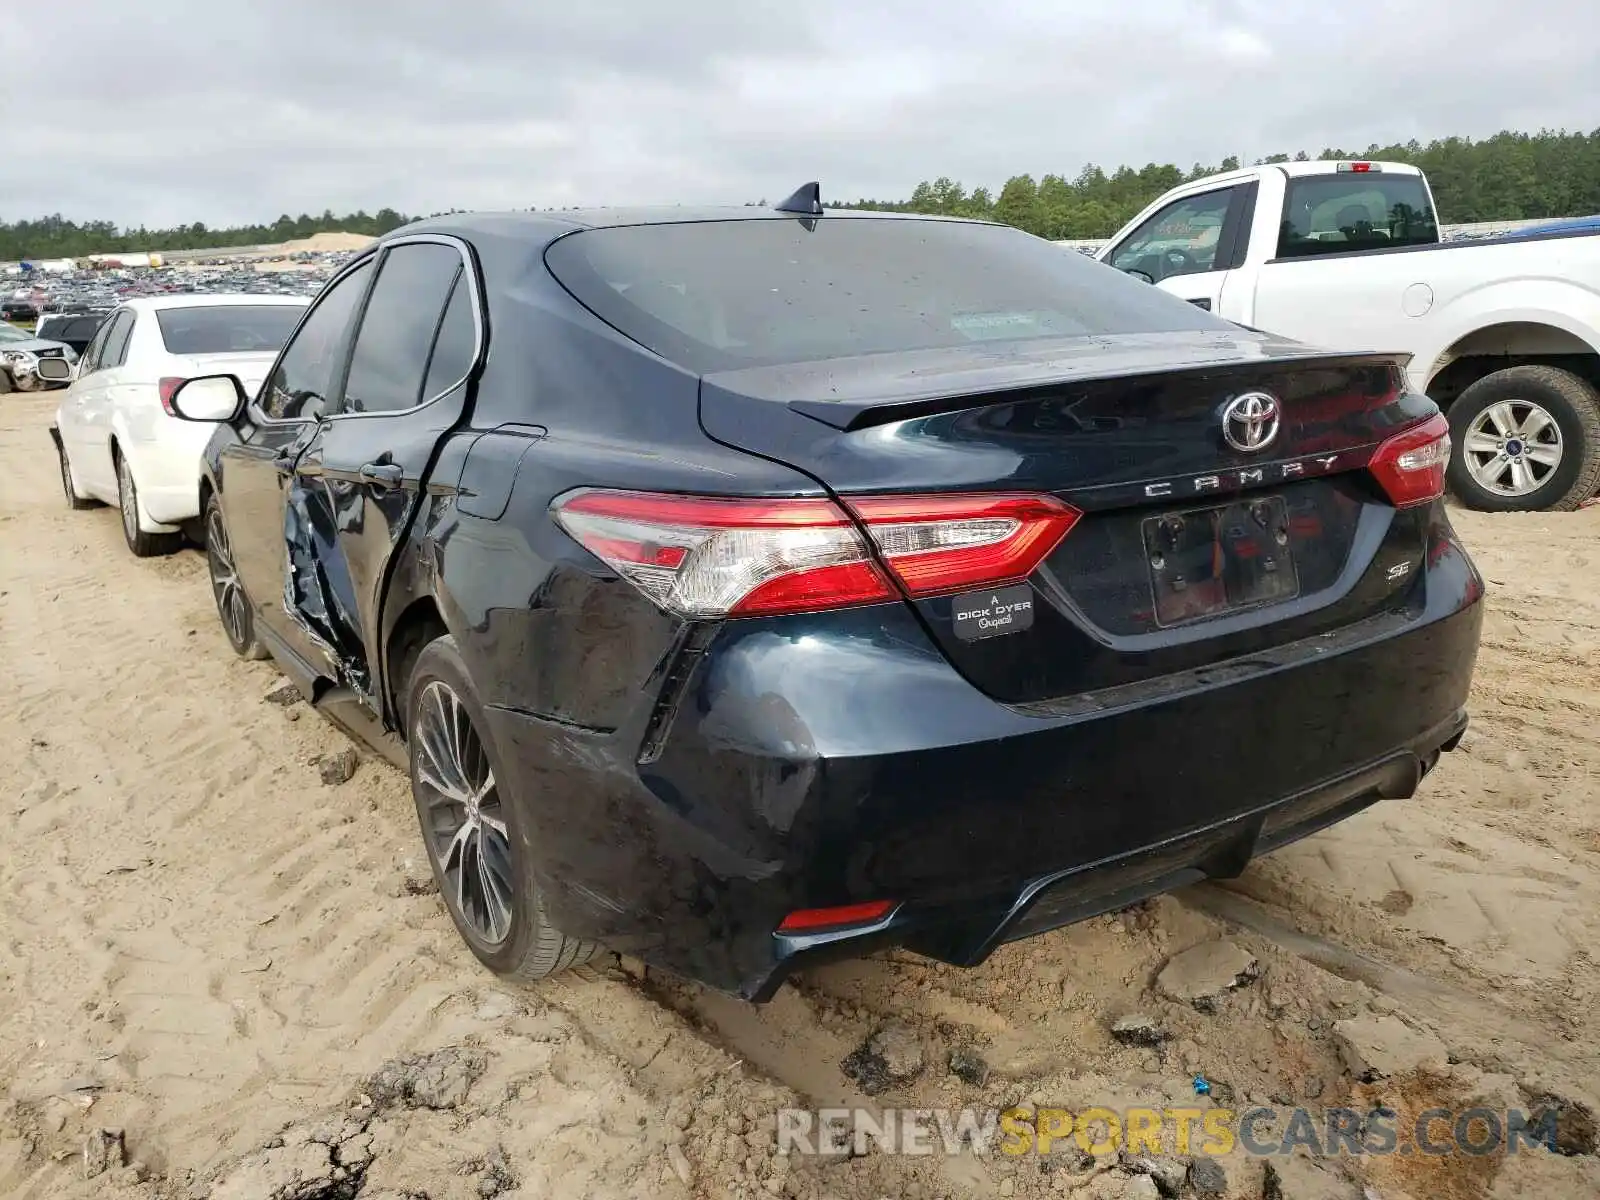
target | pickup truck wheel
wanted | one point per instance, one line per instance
(475, 840)
(1526, 438)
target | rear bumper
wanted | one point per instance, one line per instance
(165, 455)
(839, 758)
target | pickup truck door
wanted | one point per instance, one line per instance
(1189, 246)
(1323, 267)
(363, 478)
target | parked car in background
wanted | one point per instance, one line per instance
(19, 310)
(20, 352)
(74, 329)
(747, 587)
(1503, 333)
(115, 431)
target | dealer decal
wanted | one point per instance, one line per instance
(992, 613)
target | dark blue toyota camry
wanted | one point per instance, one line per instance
(744, 588)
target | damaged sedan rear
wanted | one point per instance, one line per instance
(744, 588)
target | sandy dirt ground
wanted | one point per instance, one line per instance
(244, 971)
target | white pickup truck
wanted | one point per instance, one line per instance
(1504, 334)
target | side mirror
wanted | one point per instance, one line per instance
(1145, 276)
(209, 398)
(56, 370)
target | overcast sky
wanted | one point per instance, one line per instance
(167, 111)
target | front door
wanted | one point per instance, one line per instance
(257, 469)
(359, 482)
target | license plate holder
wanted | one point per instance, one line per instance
(1205, 562)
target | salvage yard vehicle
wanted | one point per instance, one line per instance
(75, 329)
(1503, 333)
(20, 355)
(744, 588)
(115, 433)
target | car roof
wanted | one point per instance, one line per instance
(201, 300)
(530, 227)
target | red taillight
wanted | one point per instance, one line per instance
(1410, 466)
(168, 384)
(810, 920)
(713, 557)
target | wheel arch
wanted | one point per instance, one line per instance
(1542, 339)
(417, 624)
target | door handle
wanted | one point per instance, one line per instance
(383, 475)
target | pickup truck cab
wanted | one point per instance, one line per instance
(1503, 333)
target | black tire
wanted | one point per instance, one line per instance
(1572, 405)
(234, 611)
(74, 501)
(529, 947)
(5, 383)
(143, 545)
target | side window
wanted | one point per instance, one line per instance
(398, 330)
(116, 349)
(1180, 239)
(453, 348)
(90, 362)
(308, 371)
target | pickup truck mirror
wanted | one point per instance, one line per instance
(56, 370)
(1145, 276)
(209, 398)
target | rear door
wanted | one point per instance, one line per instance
(359, 483)
(1189, 246)
(257, 468)
(70, 418)
(93, 401)
(1325, 283)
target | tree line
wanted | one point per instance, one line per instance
(1504, 177)
(57, 237)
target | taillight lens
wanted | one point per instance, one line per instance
(705, 557)
(167, 385)
(1410, 466)
(811, 920)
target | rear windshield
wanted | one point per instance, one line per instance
(224, 327)
(722, 295)
(1338, 214)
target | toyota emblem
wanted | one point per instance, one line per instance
(1250, 421)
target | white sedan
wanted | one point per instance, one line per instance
(116, 434)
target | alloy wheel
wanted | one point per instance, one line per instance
(465, 822)
(127, 501)
(1512, 448)
(231, 604)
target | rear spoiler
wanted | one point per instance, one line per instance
(849, 415)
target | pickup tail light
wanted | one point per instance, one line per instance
(705, 557)
(1410, 466)
(167, 385)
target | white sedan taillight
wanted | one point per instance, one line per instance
(703, 557)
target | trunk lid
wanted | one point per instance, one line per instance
(1190, 551)
(251, 366)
